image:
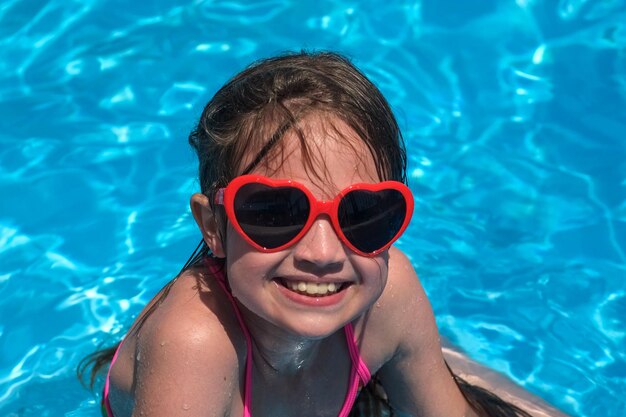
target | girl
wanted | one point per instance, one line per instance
(295, 297)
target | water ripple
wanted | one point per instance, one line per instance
(516, 158)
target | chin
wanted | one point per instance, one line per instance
(316, 331)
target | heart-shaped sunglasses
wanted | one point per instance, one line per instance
(273, 214)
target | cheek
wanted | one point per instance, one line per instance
(245, 264)
(236, 245)
(373, 271)
(233, 243)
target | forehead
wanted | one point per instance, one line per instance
(324, 153)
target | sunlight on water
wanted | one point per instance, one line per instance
(510, 111)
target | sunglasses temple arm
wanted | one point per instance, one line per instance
(219, 197)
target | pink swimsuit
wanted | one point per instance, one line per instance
(359, 373)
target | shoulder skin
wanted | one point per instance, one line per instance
(401, 337)
(186, 358)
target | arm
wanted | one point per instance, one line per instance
(415, 378)
(482, 376)
(417, 375)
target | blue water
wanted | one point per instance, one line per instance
(514, 114)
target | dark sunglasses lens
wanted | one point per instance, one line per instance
(271, 216)
(371, 219)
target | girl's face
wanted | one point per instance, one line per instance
(275, 286)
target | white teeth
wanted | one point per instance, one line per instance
(312, 288)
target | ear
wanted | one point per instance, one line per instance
(205, 219)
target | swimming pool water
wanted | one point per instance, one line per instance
(514, 114)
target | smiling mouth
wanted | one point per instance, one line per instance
(313, 289)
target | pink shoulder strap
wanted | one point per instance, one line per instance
(105, 395)
(247, 388)
(355, 355)
(359, 370)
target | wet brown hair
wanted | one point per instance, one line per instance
(254, 109)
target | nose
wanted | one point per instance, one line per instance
(320, 247)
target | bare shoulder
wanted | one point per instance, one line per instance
(404, 301)
(403, 280)
(402, 316)
(187, 353)
(194, 316)
(414, 373)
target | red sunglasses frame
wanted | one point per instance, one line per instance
(226, 197)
